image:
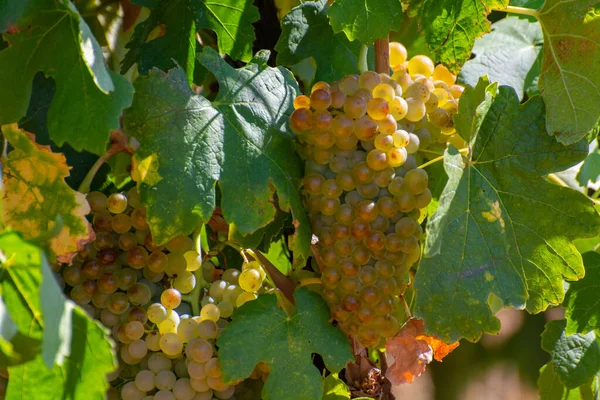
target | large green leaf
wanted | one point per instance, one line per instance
(365, 20)
(551, 388)
(581, 301)
(451, 26)
(15, 347)
(501, 228)
(88, 100)
(305, 32)
(260, 331)
(230, 19)
(576, 358)
(241, 140)
(76, 354)
(506, 55)
(570, 82)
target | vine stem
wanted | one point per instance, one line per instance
(363, 66)
(89, 177)
(520, 10)
(382, 55)
(440, 158)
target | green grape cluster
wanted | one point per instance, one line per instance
(135, 288)
(363, 190)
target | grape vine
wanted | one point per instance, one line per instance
(293, 200)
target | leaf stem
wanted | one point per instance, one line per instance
(520, 11)
(363, 66)
(89, 177)
(440, 158)
(194, 296)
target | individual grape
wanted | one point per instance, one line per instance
(413, 144)
(165, 380)
(158, 362)
(384, 91)
(244, 298)
(116, 203)
(250, 280)
(170, 298)
(79, 295)
(456, 91)
(217, 288)
(301, 120)
(136, 257)
(164, 395)
(421, 65)
(418, 91)
(72, 275)
(157, 313)
(451, 107)
(396, 157)
(225, 393)
(137, 349)
(349, 84)
(441, 73)
(384, 142)
(432, 103)
(134, 330)
(183, 389)
(406, 202)
(329, 206)
(193, 260)
(398, 54)
(441, 118)
(366, 211)
(387, 125)
(104, 240)
(330, 189)
(225, 309)
(121, 223)
(301, 101)
(126, 241)
(139, 294)
(171, 344)
(129, 391)
(176, 264)
(378, 108)
(199, 350)
(422, 200)
(320, 85)
(145, 380)
(368, 80)
(416, 181)
(210, 312)
(320, 99)
(138, 219)
(97, 201)
(118, 303)
(180, 244)
(185, 282)
(416, 109)
(126, 277)
(157, 262)
(441, 95)
(365, 128)
(342, 126)
(337, 98)
(355, 106)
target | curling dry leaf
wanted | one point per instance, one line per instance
(412, 350)
(35, 195)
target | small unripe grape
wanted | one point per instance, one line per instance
(416, 109)
(420, 64)
(301, 101)
(301, 120)
(398, 54)
(355, 106)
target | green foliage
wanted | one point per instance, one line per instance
(575, 358)
(451, 26)
(306, 33)
(551, 388)
(581, 301)
(76, 353)
(365, 20)
(88, 97)
(571, 89)
(230, 19)
(486, 237)
(495, 54)
(335, 389)
(240, 140)
(260, 331)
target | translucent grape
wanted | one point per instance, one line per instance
(421, 65)
(165, 380)
(97, 201)
(337, 98)
(170, 298)
(396, 156)
(171, 344)
(301, 120)
(185, 282)
(225, 309)
(355, 106)
(456, 91)
(116, 203)
(127, 240)
(144, 380)
(342, 126)
(377, 160)
(398, 54)
(378, 108)
(210, 312)
(441, 118)
(153, 341)
(137, 349)
(134, 330)
(441, 73)
(118, 303)
(176, 264)
(217, 288)
(121, 223)
(199, 350)
(320, 99)
(193, 260)
(129, 391)
(349, 84)
(138, 219)
(157, 313)
(418, 91)
(416, 109)
(169, 324)
(301, 101)
(244, 298)
(365, 128)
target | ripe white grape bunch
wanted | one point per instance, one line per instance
(137, 289)
(363, 190)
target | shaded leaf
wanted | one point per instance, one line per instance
(15, 347)
(305, 32)
(231, 20)
(240, 140)
(589, 172)
(492, 205)
(551, 388)
(451, 26)
(76, 350)
(411, 350)
(260, 331)
(365, 20)
(88, 99)
(35, 195)
(576, 358)
(570, 85)
(335, 389)
(506, 54)
(581, 301)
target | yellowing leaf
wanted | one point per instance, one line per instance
(35, 195)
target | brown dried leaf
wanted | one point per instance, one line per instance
(411, 350)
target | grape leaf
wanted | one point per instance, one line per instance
(230, 19)
(581, 301)
(260, 331)
(551, 388)
(365, 20)
(451, 26)
(335, 389)
(88, 100)
(76, 353)
(506, 54)
(492, 206)
(411, 350)
(35, 195)
(590, 169)
(576, 358)
(305, 32)
(241, 140)
(569, 82)
(15, 347)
